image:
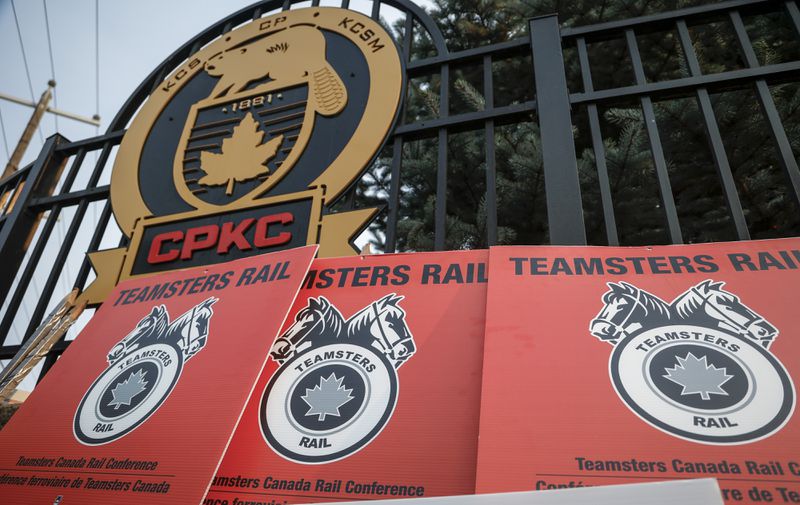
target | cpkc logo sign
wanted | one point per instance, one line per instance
(244, 148)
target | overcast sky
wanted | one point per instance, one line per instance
(134, 37)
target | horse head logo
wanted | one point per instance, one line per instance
(380, 325)
(149, 328)
(627, 309)
(189, 332)
(724, 309)
(392, 336)
(283, 59)
(318, 320)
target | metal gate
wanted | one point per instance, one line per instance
(69, 180)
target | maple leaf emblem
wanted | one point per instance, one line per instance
(125, 391)
(327, 397)
(697, 376)
(243, 156)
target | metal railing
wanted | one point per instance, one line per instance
(35, 197)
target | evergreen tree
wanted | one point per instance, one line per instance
(768, 203)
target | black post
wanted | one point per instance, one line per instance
(20, 223)
(564, 205)
(656, 146)
(779, 137)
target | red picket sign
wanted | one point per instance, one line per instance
(613, 365)
(373, 389)
(142, 405)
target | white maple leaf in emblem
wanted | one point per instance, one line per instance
(327, 397)
(697, 376)
(125, 391)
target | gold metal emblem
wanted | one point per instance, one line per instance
(287, 59)
(260, 130)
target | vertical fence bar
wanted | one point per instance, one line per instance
(94, 244)
(397, 148)
(562, 186)
(794, 14)
(11, 195)
(408, 36)
(598, 147)
(36, 253)
(349, 198)
(441, 163)
(102, 223)
(4, 188)
(394, 196)
(656, 148)
(27, 275)
(69, 240)
(85, 268)
(67, 245)
(20, 223)
(58, 266)
(491, 176)
(714, 137)
(786, 156)
(73, 171)
(195, 47)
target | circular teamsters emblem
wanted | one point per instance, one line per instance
(337, 384)
(143, 369)
(698, 368)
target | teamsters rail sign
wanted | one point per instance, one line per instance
(610, 364)
(142, 406)
(243, 149)
(598, 366)
(373, 388)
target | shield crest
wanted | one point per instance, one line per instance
(241, 140)
(242, 144)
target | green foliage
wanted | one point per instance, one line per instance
(768, 204)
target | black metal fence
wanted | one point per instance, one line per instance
(63, 184)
